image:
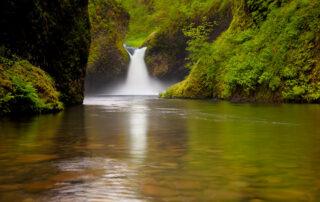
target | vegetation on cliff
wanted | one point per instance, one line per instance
(159, 25)
(269, 53)
(252, 50)
(108, 59)
(262, 50)
(53, 35)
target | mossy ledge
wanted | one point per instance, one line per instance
(270, 53)
(26, 89)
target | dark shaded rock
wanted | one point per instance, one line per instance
(53, 35)
(131, 50)
(165, 56)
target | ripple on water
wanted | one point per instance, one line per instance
(96, 179)
(188, 151)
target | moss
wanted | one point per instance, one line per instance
(53, 35)
(165, 56)
(141, 23)
(167, 47)
(26, 89)
(274, 57)
(159, 26)
(195, 86)
(108, 60)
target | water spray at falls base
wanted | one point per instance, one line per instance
(138, 81)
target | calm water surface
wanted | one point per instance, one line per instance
(149, 149)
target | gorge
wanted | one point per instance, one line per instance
(84, 117)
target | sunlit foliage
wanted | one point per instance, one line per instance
(272, 57)
(149, 16)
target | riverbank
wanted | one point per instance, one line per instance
(261, 58)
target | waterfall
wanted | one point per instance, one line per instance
(138, 81)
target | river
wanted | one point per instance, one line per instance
(120, 148)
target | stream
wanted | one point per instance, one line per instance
(141, 148)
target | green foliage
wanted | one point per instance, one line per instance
(53, 35)
(25, 93)
(198, 43)
(275, 58)
(107, 57)
(148, 16)
(195, 86)
(159, 25)
(141, 24)
(26, 89)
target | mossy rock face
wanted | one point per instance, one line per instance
(53, 35)
(166, 56)
(26, 89)
(108, 60)
(195, 86)
(271, 58)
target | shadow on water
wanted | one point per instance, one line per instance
(148, 149)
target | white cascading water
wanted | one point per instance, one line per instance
(138, 80)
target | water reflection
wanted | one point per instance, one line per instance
(115, 151)
(138, 124)
(148, 149)
(99, 179)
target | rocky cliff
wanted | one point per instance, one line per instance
(108, 60)
(53, 38)
(52, 35)
(269, 53)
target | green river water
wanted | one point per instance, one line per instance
(149, 149)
